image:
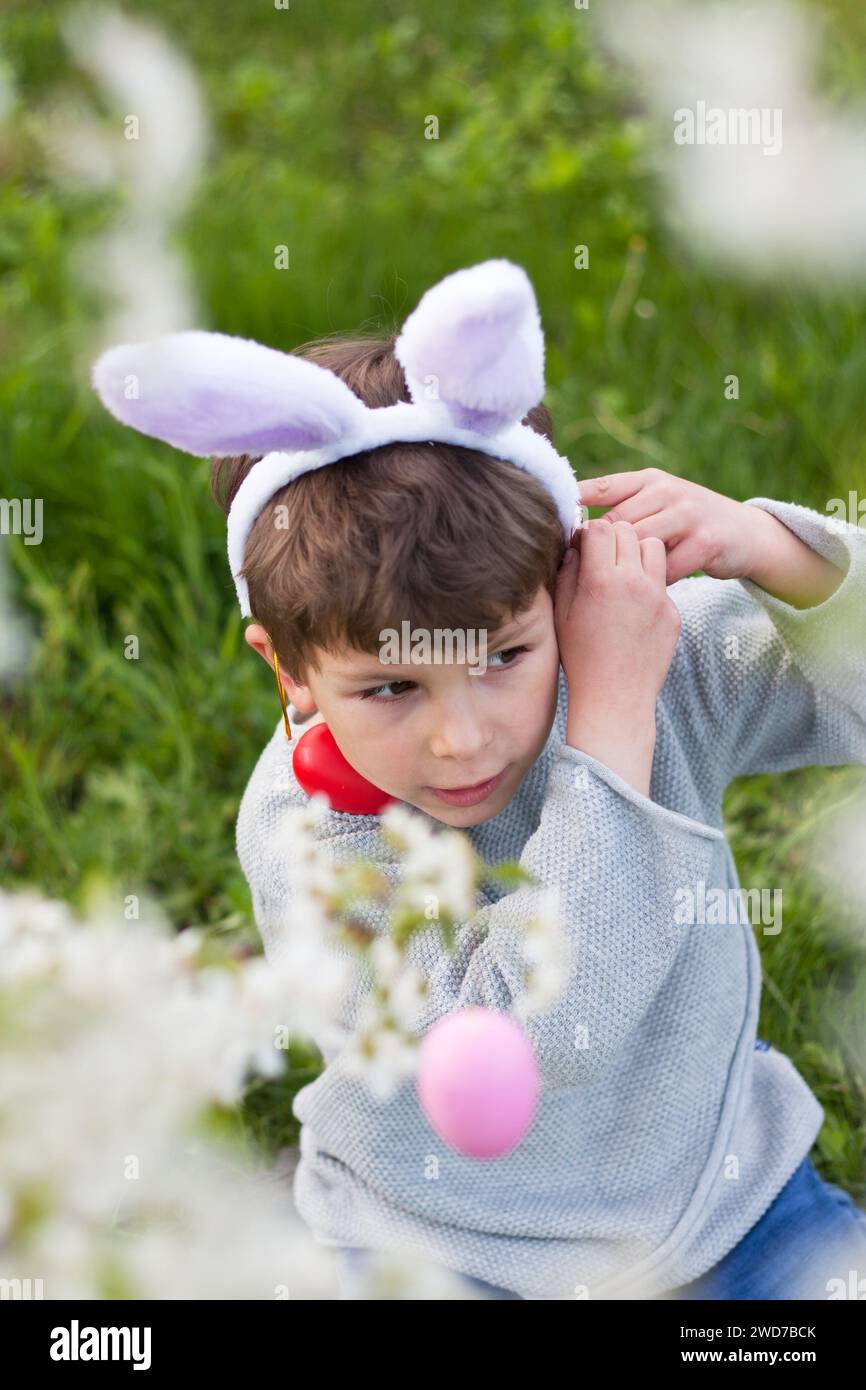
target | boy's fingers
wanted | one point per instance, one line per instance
(644, 504)
(654, 558)
(627, 546)
(598, 546)
(666, 525)
(686, 557)
(611, 489)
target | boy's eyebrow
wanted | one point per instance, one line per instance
(518, 627)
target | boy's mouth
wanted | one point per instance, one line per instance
(471, 795)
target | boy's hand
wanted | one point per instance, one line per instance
(703, 530)
(617, 629)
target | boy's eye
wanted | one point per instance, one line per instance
(508, 651)
(375, 691)
(400, 688)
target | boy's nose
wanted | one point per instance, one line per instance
(459, 735)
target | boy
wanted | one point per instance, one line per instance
(597, 752)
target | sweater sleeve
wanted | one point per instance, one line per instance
(617, 860)
(758, 685)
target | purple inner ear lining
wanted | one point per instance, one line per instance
(206, 427)
(268, 441)
(209, 419)
(470, 418)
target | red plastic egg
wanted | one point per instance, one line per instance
(320, 767)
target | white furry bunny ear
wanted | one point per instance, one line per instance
(209, 393)
(475, 343)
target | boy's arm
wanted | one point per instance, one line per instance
(618, 861)
(761, 684)
(769, 669)
(786, 567)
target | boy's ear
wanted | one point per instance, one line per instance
(300, 695)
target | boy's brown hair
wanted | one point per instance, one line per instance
(436, 534)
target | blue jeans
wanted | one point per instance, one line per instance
(809, 1244)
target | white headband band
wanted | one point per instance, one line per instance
(472, 353)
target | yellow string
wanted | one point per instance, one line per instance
(286, 723)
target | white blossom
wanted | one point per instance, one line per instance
(383, 1057)
(798, 208)
(548, 954)
(15, 635)
(836, 855)
(123, 1033)
(438, 861)
(115, 1040)
(152, 148)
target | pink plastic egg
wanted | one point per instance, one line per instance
(478, 1081)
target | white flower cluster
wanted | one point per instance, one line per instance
(439, 863)
(835, 855)
(548, 955)
(155, 95)
(15, 636)
(118, 1035)
(439, 875)
(383, 1048)
(114, 1040)
(767, 173)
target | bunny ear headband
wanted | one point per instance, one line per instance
(473, 357)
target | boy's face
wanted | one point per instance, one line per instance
(420, 730)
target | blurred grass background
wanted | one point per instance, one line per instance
(133, 770)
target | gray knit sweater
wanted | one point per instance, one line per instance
(663, 1134)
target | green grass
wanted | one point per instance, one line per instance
(133, 770)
